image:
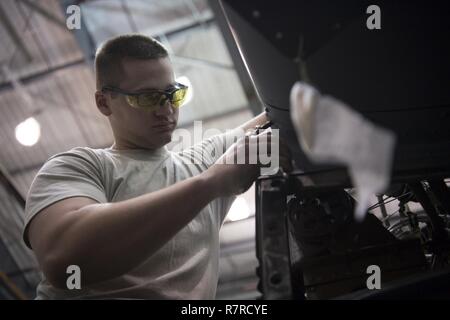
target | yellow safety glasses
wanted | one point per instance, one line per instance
(153, 99)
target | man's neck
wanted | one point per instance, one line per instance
(132, 146)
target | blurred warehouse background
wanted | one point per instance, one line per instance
(47, 106)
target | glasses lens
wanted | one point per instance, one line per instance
(179, 96)
(149, 100)
(152, 100)
(132, 101)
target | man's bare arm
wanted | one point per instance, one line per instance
(107, 240)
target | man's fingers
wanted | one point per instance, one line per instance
(253, 146)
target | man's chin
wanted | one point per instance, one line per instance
(166, 137)
(163, 138)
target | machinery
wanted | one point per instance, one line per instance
(308, 245)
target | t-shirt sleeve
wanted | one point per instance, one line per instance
(76, 173)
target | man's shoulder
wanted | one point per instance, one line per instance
(81, 155)
(80, 151)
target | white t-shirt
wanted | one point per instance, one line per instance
(184, 268)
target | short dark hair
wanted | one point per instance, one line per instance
(109, 55)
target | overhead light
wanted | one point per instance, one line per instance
(190, 94)
(28, 132)
(239, 210)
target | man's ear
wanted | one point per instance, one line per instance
(102, 103)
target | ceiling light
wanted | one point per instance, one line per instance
(28, 132)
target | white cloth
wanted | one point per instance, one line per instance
(330, 131)
(184, 268)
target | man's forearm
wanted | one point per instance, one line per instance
(108, 240)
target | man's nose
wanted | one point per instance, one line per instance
(165, 109)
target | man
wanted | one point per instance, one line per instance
(138, 220)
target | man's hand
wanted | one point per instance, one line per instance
(230, 177)
(233, 177)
